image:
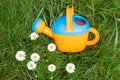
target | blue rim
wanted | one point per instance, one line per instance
(59, 26)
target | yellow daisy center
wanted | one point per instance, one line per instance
(51, 67)
(34, 36)
(35, 57)
(51, 47)
(31, 65)
(20, 55)
(70, 67)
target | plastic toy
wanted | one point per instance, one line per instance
(69, 32)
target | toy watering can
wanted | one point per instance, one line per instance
(69, 32)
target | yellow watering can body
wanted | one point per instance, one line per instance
(69, 32)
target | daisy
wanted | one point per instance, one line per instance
(51, 78)
(70, 67)
(35, 57)
(34, 36)
(20, 55)
(51, 67)
(51, 47)
(36, 76)
(31, 65)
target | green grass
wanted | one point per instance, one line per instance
(98, 62)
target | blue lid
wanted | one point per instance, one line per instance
(59, 26)
(35, 24)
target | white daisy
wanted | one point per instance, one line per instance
(35, 57)
(20, 55)
(70, 67)
(51, 47)
(51, 78)
(31, 65)
(51, 67)
(34, 36)
(36, 76)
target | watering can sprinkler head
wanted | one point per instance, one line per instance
(39, 26)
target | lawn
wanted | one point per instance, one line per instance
(97, 62)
